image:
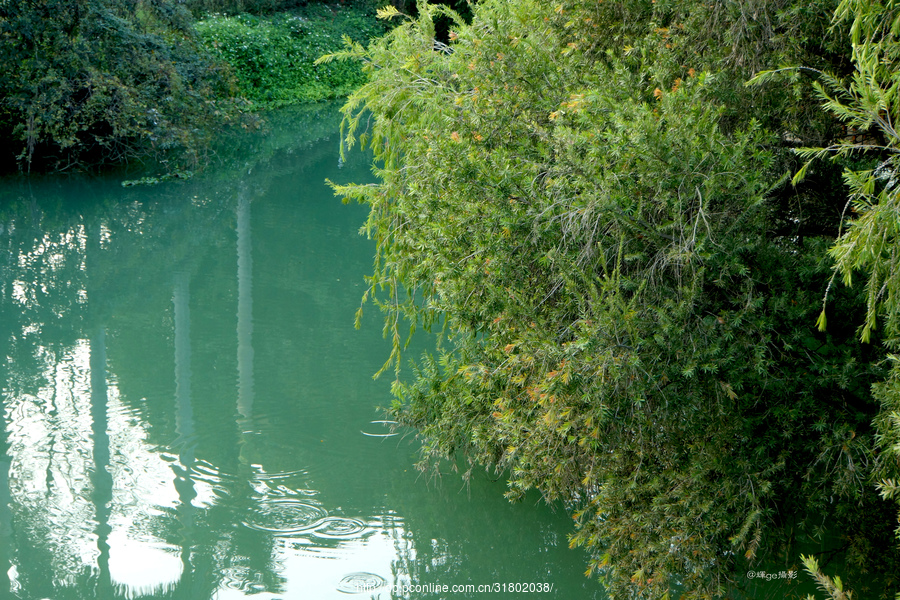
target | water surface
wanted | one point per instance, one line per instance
(188, 411)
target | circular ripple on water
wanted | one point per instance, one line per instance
(285, 516)
(339, 528)
(280, 475)
(361, 582)
(242, 579)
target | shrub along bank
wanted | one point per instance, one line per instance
(89, 83)
(273, 56)
(596, 211)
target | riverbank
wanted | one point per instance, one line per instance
(114, 83)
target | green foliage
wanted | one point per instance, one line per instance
(833, 587)
(274, 57)
(201, 8)
(871, 241)
(625, 286)
(106, 81)
(178, 174)
(117, 81)
(868, 105)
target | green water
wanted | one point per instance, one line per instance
(188, 411)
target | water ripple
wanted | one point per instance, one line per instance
(285, 516)
(280, 475)
(242, 579)
(360, 582)
(339, 528)
(388, 425)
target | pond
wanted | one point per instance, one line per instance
(188, 411)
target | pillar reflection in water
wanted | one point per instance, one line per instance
(253, 564)
(245, 308)
(101, 478)
(184, 424)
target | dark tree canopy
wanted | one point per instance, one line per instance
(101, 81)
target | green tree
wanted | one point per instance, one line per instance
(105, 81)
(592, 209)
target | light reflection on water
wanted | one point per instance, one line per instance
(189, 412)
(50, 442)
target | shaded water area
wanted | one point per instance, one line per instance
(188, 411)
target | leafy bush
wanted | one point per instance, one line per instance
(593, 206)
(100, 81)
(200, 8)
(273, 56)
